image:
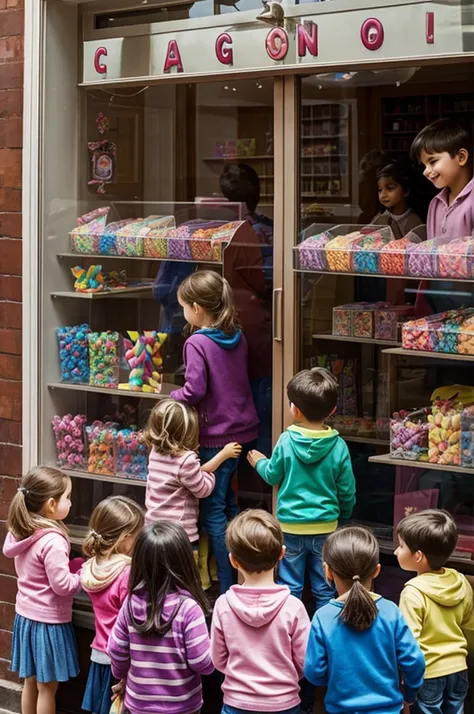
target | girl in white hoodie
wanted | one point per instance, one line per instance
(113, 527)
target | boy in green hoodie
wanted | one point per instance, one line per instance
(439, 609)
(312, 467)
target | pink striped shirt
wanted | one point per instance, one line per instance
(175, 485)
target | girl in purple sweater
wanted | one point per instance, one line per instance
(217, 384)
(160, 642)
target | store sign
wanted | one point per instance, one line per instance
(416, 31)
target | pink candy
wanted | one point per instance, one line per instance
(69, 436)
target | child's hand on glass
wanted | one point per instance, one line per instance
(232, 450)
(254, 456)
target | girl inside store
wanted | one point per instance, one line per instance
(217, 384)
(394, 187)
(113, 527)
(44, 649)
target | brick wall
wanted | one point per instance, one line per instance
(11, 109)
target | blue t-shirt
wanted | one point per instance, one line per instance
(362, 670)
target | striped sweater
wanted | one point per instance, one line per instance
(163, 674)
(175, 483)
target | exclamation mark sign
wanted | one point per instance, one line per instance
(430, 28)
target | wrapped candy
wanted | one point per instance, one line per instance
(312, 253)
(444, 436)
(456, 258)
(339, 252)
(131, 454)
(104, 359)
(100, 437)
(69, 437)
(74, 353)
(366, 251)
(207, 243)
(449, 332)
(422, 259)
(393, 257)
(409, 435)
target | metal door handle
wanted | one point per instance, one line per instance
(277, 314)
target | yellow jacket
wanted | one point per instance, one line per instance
(439, 610)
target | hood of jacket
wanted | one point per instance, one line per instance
(447, 588)
(98, 575)
(227, 342)
(13, 547)
(257, 606)
(312, 446)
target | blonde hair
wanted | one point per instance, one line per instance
(36, 488)
(213, 293)
(255, 539)
(173, 427)
(112, 520)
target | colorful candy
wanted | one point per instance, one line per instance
(422, 259)
(409, 435)
(207, 243)
(393, 257)
(130, 239)
(444, 434)
(69, 436)
(131, 454)
(100, 438)
(451, 332)
(73, 353)
(143, 354)
(387, 319)
(363, 323)
(104, 359)
(366, 251)
(338, 252)
(312, 253)
(85, 237)
(456, 258)
(467, 437)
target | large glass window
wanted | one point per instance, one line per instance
(368, 262)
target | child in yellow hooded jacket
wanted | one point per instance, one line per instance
(438, 605)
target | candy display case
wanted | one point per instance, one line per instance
(409, 435)
(450, 332)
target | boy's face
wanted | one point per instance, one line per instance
(406, 559)
(442, 169)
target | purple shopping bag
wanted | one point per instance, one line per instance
(411, 502)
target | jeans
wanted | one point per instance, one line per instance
(216, 510)
(226, 709)
(442, 695)
(305, 551)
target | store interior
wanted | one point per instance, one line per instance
(175, 150)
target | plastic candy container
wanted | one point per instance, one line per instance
(456, 258)
(444, 434)
(143, 355)
(366, 251)
(85, 237)
(363, 323)
(107, 239)
(69, 436)
(451, 332)
(100, 437)
(104, 359)
(422, 259)
(409, 435)
(338, 252)
(342, 320)
(312, 253)
(386, 321)
(467, 437)
(466, 337)
(131, 454)
(393, 257)
(207, 243)
(130, 238)
(74, 353)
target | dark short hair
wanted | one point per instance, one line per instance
(240, 184)
(399, 172)
(314, 392)
(255, 540)
(433, 532)
(443, 135)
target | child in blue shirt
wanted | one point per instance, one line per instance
(312, 467)
(359, 645)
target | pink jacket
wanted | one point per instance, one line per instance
(46, 586)
(106, 600)
(455, 221)
(174, 486)
(258, 640)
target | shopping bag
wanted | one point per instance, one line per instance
(413, 501)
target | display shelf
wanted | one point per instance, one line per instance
(105, 478)
(365, 440)
(124, 292)
(431, 355)
(362, 340)
(378, 275)
(126, 257)
(388, 547)
(385, 459)
(165, 391)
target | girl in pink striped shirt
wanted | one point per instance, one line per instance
(176, 479)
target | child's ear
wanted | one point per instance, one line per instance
(463, 157)
(376, 572)
(295, 412)
(328, 572)
(50, 507)
(283, 551)
(233, 562)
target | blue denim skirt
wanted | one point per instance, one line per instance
(98, 693)
(47, 652)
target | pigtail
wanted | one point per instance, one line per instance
(359, 609)
(112, 520)
(227, 318)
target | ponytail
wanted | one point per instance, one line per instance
(359, 609)
(39, 485)
(213, 293)
(352, 554)
(112, 520)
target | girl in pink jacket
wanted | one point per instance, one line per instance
(113, 527)
(44, 646)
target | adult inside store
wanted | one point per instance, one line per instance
(316, 140)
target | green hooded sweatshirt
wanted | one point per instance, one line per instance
(314, 472)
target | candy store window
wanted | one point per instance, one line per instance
(169, 180)
(383, 302)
